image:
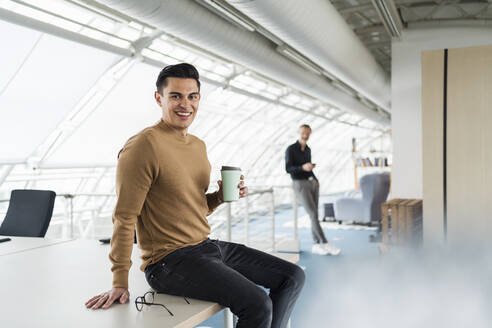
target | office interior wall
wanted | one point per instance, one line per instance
(469, 140)
(433, 155)
(406, 98)
(457, 148)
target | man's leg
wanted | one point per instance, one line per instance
(284, 279)
(199, 272)
(315, 184)
(307, 194)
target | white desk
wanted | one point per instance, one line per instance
(288, 245)
(48, 286)
(22, 244)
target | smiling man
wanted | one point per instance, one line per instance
(162, 177)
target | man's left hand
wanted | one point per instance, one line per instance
(243, 190)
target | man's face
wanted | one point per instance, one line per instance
(179, 102)
(304, 134)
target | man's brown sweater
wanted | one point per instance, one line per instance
(161, 183)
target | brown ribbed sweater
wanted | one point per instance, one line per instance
(161, 183)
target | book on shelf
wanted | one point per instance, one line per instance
(367, 162)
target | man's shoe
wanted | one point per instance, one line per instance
(319, 249)
(330, 249)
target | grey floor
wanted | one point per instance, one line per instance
(361, 288)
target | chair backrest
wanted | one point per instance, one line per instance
(375, 186)
(29, 213)
(375, 189)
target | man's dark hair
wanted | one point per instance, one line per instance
(183, 70)
(305, 126)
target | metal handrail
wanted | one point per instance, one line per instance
(252, 192)
(69, 195)
(272, 213)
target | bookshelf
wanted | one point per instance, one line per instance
(369, 161)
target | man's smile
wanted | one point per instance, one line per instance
(183, 114)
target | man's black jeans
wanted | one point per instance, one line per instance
(228, 274)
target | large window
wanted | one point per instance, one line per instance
(71, 94)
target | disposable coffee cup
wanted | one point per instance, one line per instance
(231, 176)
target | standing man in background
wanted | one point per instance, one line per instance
(306, 187)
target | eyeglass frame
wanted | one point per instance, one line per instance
(141, 300)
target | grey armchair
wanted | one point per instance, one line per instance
(366, 205)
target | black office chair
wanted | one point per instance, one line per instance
(29, 213)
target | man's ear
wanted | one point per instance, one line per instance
(158, 98)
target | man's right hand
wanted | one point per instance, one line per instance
(106, 299)
(308, 167)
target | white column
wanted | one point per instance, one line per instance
(246, 223)
(229, 219)
(227, 314)
(228, 318)
(272, 212)
(71, 216)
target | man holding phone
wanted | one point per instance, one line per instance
(306, 187)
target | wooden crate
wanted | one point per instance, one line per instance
(413, 222)
(386, 212)
(402, 221)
